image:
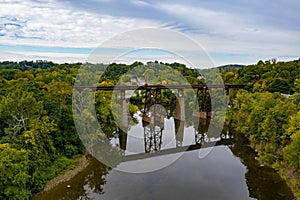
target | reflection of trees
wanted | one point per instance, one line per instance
(260, 180)
(96, 178)
(103, 150)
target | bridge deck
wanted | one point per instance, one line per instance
(148, 87)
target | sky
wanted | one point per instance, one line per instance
(229, 31)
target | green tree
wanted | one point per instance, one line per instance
(14, 174)
(279, 85)
(17, 109)
(292, 151)
(297, 85)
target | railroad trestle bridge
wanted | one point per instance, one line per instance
(153, 123)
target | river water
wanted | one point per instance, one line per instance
(225, 170)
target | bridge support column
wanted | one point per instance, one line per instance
(203, 113)
(180, 108)
(227, 96)
(124, 123)
(122, 139)
(123, 126)
(179, 132)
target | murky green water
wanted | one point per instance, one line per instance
(227, 170)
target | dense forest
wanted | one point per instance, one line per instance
(268, 114)
(38, 137)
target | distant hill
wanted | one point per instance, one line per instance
(269, 76)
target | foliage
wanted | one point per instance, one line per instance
(269, 76)
(292, 150)
(14, 176)
(267, 116)
(38, 138)
(36, 125)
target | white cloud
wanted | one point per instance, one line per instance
(140, 3)
(235, 34)
(218, 31)
(52, 24)
(55, 57)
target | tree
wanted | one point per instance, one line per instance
(275, 120)
(17, 109)
(60, 92)
(297, 85)
(292, 151)
(13, 173)
(279, 85)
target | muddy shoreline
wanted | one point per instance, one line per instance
(66, 174)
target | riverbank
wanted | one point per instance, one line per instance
(287, 174)
(78, 164)
(291, 178)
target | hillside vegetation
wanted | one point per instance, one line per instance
(268, 114)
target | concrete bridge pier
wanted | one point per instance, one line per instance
(122, 139)
(123, 126)
(124, 122)
(179, 132)
(180, 108)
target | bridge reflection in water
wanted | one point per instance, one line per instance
(153, 123)
(156, 139)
